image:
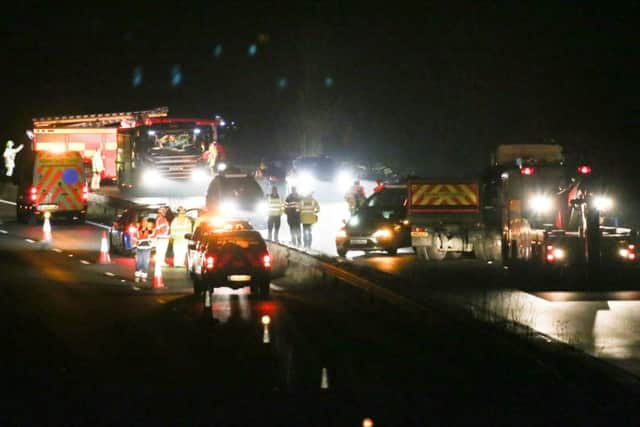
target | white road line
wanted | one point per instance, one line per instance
(96, 224)
(57, 250)
(85, 262)
(7, 202)
(4, 232)
(29, 241)
(108, 273)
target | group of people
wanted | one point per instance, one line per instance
(159, 232)
(301, 211)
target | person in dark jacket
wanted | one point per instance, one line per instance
(292, 210)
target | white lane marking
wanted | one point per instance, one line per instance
(96, 224)
(4, 232)
(57, 250)
(29, 241)
(8, 202)
(85, 262)
(108, 273)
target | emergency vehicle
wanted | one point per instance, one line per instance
(57, 185)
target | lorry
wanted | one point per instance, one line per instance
(57, 184)
(140, 148)
(529, 206)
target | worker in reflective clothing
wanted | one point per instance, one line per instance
(355, 197)
(10, 157)
(162, 233)
(212, 157)
(97, 166)
(143, 243)
(275, 213)
(180, 226)
(292, 210)
(309, 209)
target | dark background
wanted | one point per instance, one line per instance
(432, 87)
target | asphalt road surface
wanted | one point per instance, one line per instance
(84, 347)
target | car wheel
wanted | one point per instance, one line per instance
(342, 252)
(436, 254)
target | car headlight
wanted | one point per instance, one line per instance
(199, 175)
(262, 208)
(541, 203)
(382, 233)
(602, 203)
(228, 207)
(151, 177)
(306, 182)
(354, 221)
(341, 234)
(344, 180)
(221, 167)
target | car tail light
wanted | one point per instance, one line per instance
(528, 170)
(132, 229)
(417, 229)
(629, 252)
(584, 170)
(266, 261)
(211, 262)
(85, 193)
(33, 194)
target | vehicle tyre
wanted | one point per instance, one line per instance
(421, 253)
(392, 251)
(436, 254)
(342, 252)
(265, 290)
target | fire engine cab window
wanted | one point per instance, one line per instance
(179, 141)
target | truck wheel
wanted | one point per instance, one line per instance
(421, 253)
(436, 254)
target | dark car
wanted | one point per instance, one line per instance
(126, 222)
(208, 224)
(237, 196)
(233, 258)
(379, 224)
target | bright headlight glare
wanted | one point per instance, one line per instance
(222, 167)
(228, 207)
(540, 203)
(262, 208)
(151, 177)
(344, 180)
(354, 221)
(602, 203)
(382, 233)
(341, 233)
(199, 175)
(558, 253)
(623, 253)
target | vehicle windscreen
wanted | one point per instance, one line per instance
(184, 139)
(241, 188)
(245, 242)
(388, 198)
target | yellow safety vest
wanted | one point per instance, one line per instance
(275, 205)
(309, 209)
(180, 227)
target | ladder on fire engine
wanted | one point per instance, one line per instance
(99, 120)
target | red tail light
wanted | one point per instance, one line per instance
(584, 169)
(85, 193)
(528, 170)
(266, 261)
(417, 228)
(211, 262)
(33, 194)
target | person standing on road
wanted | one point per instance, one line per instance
(9, 155)
(379, 186)
(143, 244)
(355, 197)
(309, 209)
(162, 234)
(97, 166)
(275, 213)
(180, 226)
(212, 157)
(292, 210)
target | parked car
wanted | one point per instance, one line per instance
(229, 256)
(380, 224)
(126, 222)
(237, 196)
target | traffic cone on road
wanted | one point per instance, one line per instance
(158, 283)
(104, 258)
(46, 229)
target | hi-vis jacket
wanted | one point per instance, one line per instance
(180, 227)
(142, 238)
(276, 207)
(309, 209)
(161, 230)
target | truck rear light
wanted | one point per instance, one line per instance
(553, 254)
(266, 261)
(584, 169)
(211, 262)
(33, 194)
(528, 170)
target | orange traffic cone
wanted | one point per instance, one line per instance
(46, 229)
(158, 283)
(105, 258)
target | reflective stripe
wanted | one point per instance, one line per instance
(275, 206)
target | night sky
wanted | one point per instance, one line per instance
(433, 87)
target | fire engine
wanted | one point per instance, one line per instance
(140, 148)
